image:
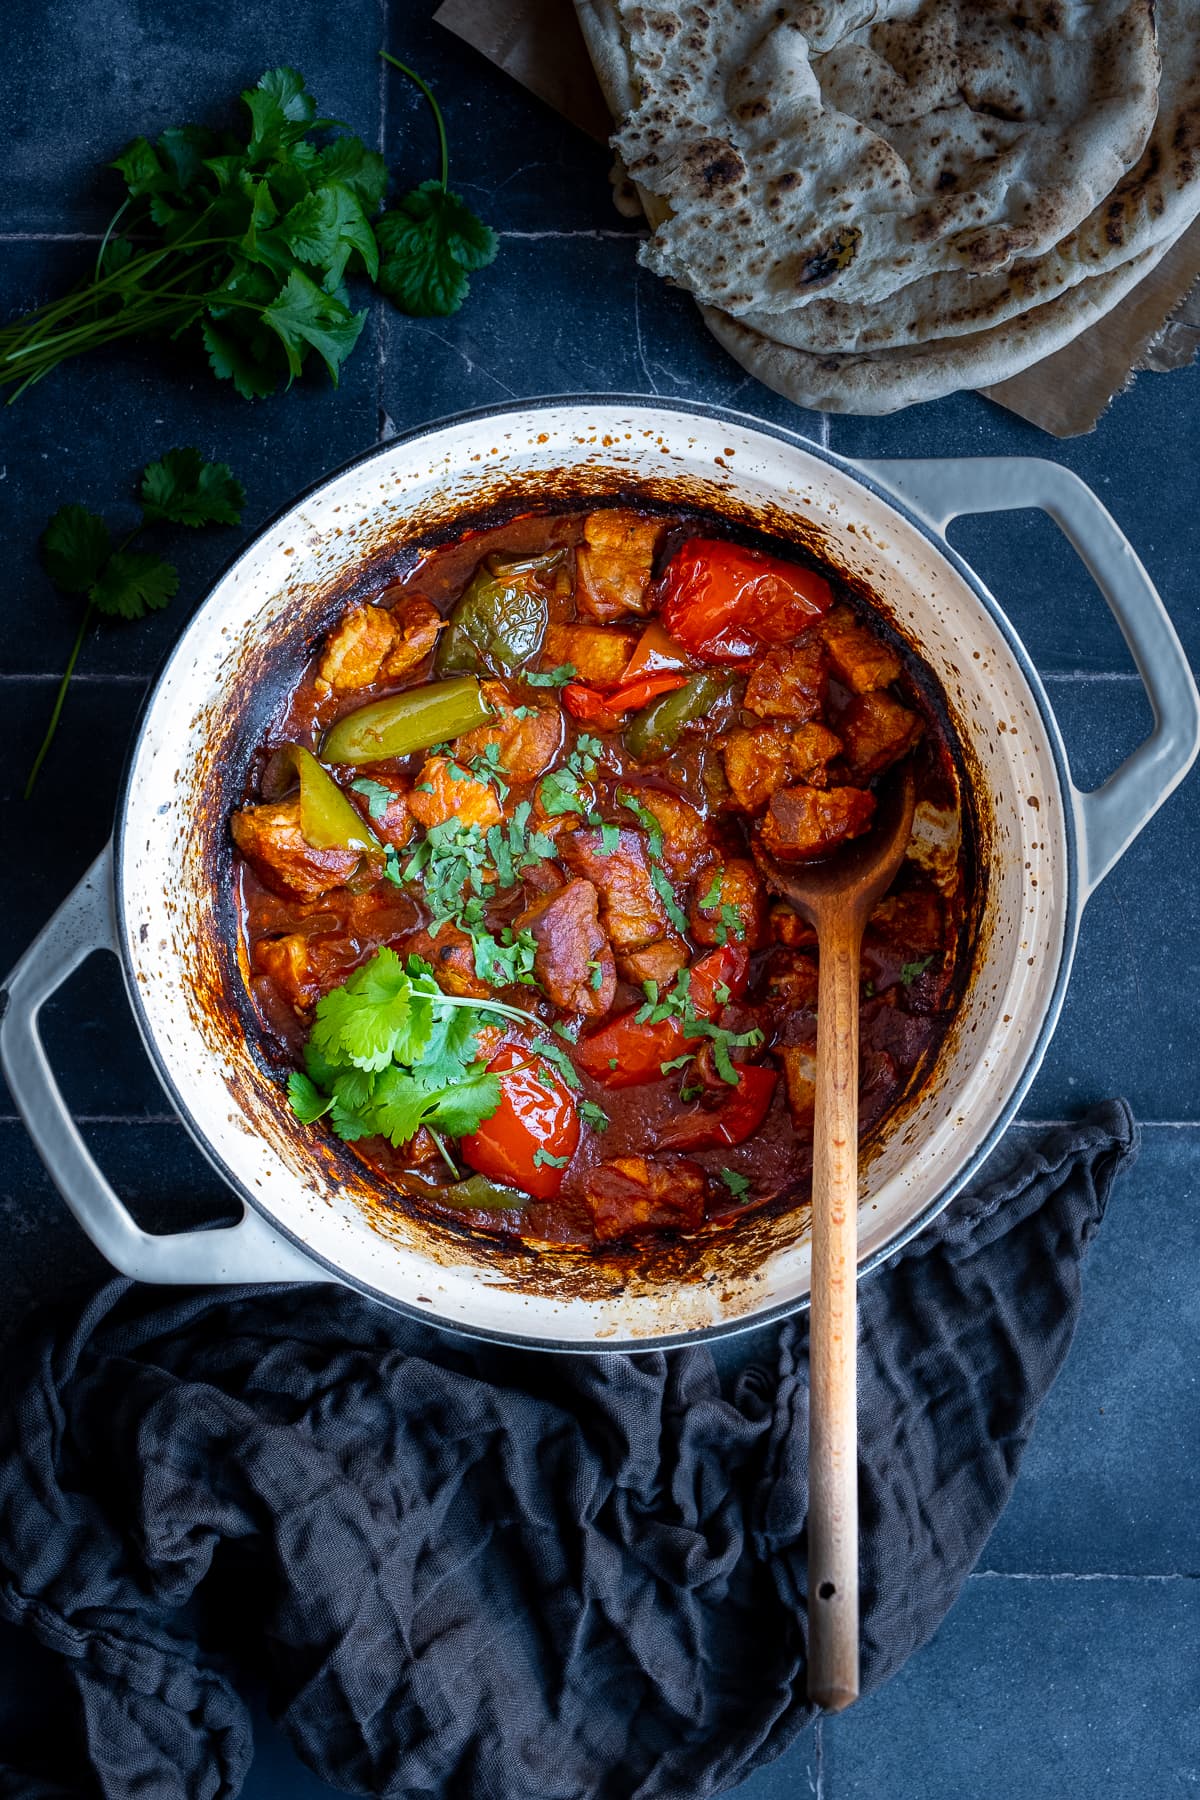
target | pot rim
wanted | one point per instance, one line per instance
(659, 403)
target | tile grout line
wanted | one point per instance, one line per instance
(1081, 1575)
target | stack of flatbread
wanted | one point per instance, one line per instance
(882, 201)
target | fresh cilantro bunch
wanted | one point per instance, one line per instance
(80, 556)
(390, 1052)
(250, 237)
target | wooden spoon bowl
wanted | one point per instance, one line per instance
(836, 895)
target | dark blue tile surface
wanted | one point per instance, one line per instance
(276, 447)
(1111, 1480)
(1047, 1687)
(1035, 1690)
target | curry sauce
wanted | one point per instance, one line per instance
(532, 773)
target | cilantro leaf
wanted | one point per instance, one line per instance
(133, 582)
(560, 1061)
(713, 896)
(542, 1155)
(463, 1106)
(551, 678)
(911, 970)
(738, 1185)
(666, 893)
(186, 490)
(75, 548)
(374, 1016)
(429, 244)
(507, 960)
(327, 228)
(282, 111)
(646, 820)
(348, 161)
(305, 316)
(142, 170)
(306, 1102)
(594, 1115)
(377, 797)
(232, 358)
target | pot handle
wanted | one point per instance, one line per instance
(1112, 815)
(248, 1251)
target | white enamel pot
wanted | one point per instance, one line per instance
(158, 899)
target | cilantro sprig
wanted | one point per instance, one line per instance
(431, 242)
(390, 1052)
(249, 238)
(80, 557)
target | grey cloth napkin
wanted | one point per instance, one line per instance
(487, 1574)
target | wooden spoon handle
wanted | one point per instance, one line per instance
(833, 1423)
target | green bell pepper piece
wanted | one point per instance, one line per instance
(475, 1192)
(328, 820)
(654, 730)
(498, 625)
(410, 721)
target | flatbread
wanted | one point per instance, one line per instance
(1150, 204)
(847, 148)
(883, 381)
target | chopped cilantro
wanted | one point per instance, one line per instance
(552, 678)
(738, 1185)
(645, 819)
(732, 922)
(595, 976)
(505, 961)
(666, 893)
(559, 793)
(377, 797)
(542, 1155)
(594, 1115)
(911, 970)
(612, 1062)
(712, 897)
(558, 1059)
(610, 837)
(487, 766)
(676, 1062)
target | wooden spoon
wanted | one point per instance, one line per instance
(836, 896)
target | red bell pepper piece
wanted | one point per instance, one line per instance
(625, 1053)
(724, 603)
(533, 1134)
(605, 712)
(736, 1119)
(655, 653)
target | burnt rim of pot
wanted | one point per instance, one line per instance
(650, 405)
